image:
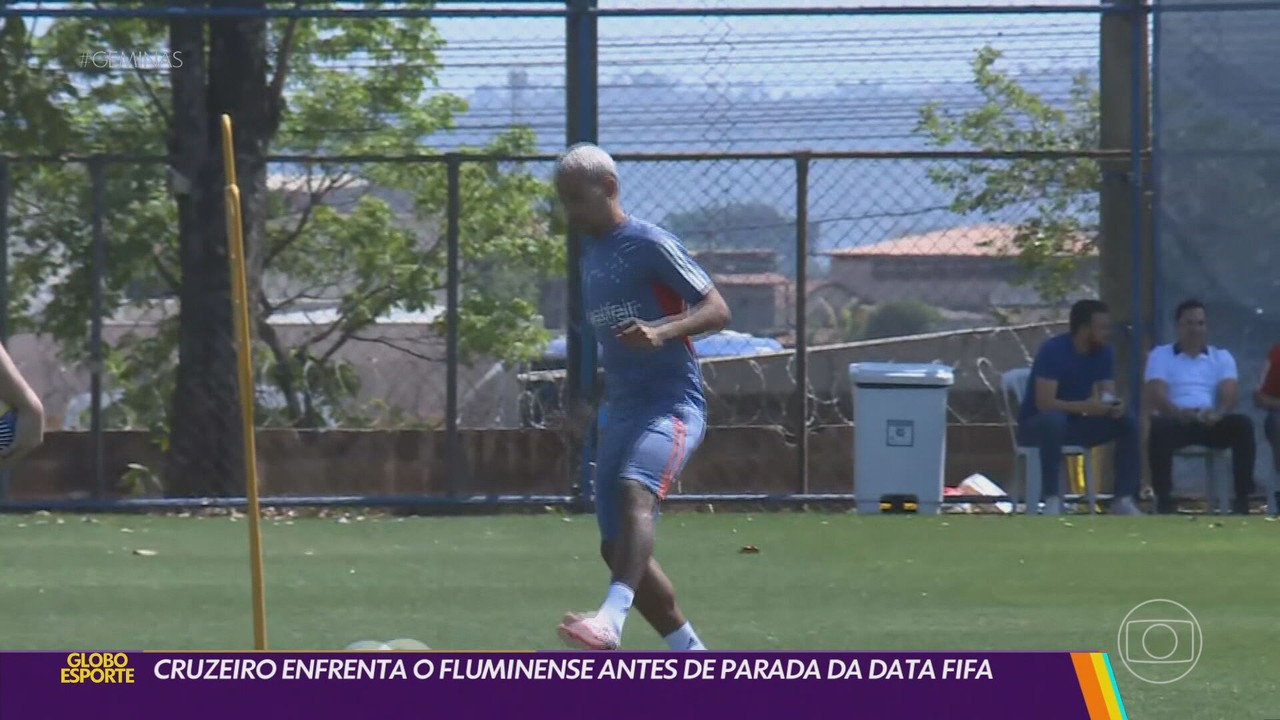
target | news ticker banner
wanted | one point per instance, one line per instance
(140, 685)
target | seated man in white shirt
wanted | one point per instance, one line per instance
(1192, 390)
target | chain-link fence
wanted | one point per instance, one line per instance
(412, 311)
(420, 300)
(1218, 171)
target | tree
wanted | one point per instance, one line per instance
(1056, 201)
(366, 238)
(748, 225)
(899, 318)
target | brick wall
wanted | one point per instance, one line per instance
(733, 459)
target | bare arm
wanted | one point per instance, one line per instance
(1260, 399)
(14, 389)
(1266, 402)
(29, 430)
(709, 316)
(1158, 399)
(1228, 396)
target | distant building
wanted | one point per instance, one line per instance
(756, 293)
(968, 268)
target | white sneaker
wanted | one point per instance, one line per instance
(1125, 506)
(1052, 506)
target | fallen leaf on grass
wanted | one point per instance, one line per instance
(144, 552)
(749, 550)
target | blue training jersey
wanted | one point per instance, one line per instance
(643, 272)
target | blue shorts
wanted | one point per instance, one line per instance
(651, 448)
(8, 426)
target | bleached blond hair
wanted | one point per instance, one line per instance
(588, 160)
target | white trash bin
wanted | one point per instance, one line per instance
(900, 433)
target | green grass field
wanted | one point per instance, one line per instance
(820, 581)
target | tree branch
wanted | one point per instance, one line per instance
(393, 346)
(337, 344)
(283, 376)
(348, 332)
(165, 273)
(156, 103)
(275, 93)
(304, 294)
(314, 196)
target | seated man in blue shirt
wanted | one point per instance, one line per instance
(1070, 400)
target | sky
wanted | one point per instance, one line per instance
(795, 54)
(790, 53)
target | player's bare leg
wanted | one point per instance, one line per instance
(656, 596)
(638, 517)
(637, 508)
(631, 561)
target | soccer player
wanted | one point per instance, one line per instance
(21, 414)
(645, 298)
(1267, 397)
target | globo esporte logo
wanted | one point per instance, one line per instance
(97, 668)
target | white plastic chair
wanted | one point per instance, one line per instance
(1217, 484)
(1014, 383)
(1213, 480)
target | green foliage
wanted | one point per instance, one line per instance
(140, 481)
(365, 239)
(900, 318)
(845, 323)
(1057, 198)
(853, 321)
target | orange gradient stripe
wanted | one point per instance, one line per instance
(1101, 696)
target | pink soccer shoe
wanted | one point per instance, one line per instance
(587, 633)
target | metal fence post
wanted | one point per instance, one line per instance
(452, 281)
(581, 125)
(99, 211)
(1138, 78)
(802, 319)
(1158, 332)
(4, 250)
(1122, 49)
(4, 283)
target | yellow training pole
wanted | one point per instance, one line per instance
(1075, 463)
(244, 361)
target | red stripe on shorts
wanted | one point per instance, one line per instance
(677, 455)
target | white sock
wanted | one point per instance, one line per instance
(684, 639)
(617, 603)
